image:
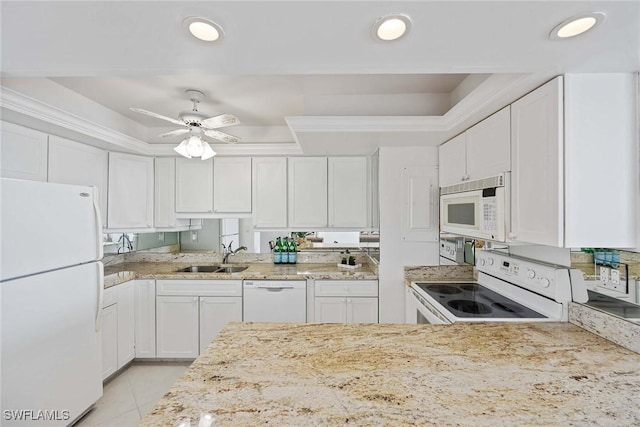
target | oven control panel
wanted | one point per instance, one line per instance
(544, 279)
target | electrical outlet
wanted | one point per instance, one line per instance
(160, 237)
(194, 236)
(604, 274)
(615, 276)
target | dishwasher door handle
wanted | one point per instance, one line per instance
(275, 289)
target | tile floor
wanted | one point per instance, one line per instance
(132, 394)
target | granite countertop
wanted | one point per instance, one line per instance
(123, 272)
(463, 374)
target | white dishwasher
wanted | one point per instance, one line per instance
(275, 301)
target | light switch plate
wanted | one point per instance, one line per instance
(615, 276)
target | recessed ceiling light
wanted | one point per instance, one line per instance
(576, 25)
(391, 27)
(203, 29)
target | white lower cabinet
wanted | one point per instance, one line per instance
(190, 313)
(362, 310)
(126, 323)
(346, 301)
(330, 310)
(145, 318)
(117, 327)
(109, 332)
(215, 314)
(177, 327)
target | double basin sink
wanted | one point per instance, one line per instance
(212, 269)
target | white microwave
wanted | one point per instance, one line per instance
(477, 209)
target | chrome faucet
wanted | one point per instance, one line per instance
(227, 251)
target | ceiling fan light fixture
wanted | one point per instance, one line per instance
(391, 27)
(203, 29)
(195, 146)
(576, 25)
(182, 149)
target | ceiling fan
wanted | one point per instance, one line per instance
(196, 124)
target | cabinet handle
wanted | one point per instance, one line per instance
(513, 236)
(463, 178)
(348, 300)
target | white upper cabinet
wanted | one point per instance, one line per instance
(71, 162)
(23, 153)
(348, 197)
(574, 158)
(194, 186)
(480, 152)
(536, 159)
(232, 185)
(307, 183)
(130, 191)
(165, 195)
(489, 146)
(452, 160)
(269, 192)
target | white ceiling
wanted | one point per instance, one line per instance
(304, 58)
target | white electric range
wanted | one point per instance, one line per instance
(508, 289)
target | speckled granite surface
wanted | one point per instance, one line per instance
(516, 374)
(437, 273)
(167, 270)
(621, 331)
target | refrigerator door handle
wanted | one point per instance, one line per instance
(100, 295)
(98, 214)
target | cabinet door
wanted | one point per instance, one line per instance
(419, 204)
(23, 153)
(130, 191)
(215, 314)
(164, 211)
(452, 157)
(177, 327)
(194, 186)
(232, 185)
(307, 191)
(362, 310)
(375, 188)
(126, 323)
(537, 171)
(145, 318)
(109, 332)
(71, 162)
(330, 310)
(489, 146)
(348, 197)
(269, 192)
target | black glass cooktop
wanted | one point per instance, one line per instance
(471, 300)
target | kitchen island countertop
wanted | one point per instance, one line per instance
(482, 374)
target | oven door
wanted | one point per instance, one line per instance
(418, 313)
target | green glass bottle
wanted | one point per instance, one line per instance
(277, 252)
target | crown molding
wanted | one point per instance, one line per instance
(283, 149)
(39, 110)
(365, 123)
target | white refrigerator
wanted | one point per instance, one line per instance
(50, 301)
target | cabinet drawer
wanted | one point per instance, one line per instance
(110, 297)
(215, 288)
(352, 288)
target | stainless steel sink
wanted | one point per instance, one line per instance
(234, 269)
(200, 269)
(212, 269)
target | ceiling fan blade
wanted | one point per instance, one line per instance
(174, 133)
(225, 137)
(157, 116)
(220, 121)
